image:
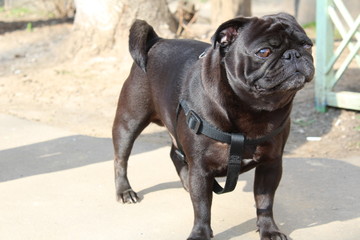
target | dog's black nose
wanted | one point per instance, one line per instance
(291, 54)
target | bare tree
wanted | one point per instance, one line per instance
(222, 10)
(103, 24)
(60, 8)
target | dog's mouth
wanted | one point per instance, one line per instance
(282, 76)
(294, 82)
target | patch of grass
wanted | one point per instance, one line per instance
(357, 117)
(63, 72)
(309, 25)
(50, 15)
(16, 12)
(304, 122)
(29, 27)
(19, 12)
(354, 144)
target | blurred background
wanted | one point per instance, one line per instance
(63, 62)
(62, 66)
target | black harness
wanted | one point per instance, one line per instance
(237, 142)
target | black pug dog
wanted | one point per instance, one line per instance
(226, 107)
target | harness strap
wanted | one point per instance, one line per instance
(234, 165)
(237, 142)
(179, 150)
(195, 123)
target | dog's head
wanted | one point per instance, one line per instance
(266, 57)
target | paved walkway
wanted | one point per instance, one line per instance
(55, 184)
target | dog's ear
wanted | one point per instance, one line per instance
(142, 37)
(228, 31)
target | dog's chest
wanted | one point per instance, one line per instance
(217, 155)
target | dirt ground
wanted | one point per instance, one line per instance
(80, 93)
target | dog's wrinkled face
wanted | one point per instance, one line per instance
(265, 56)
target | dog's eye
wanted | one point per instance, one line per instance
(264, 53)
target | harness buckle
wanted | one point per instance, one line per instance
(202, 55)
(180, 155)
(194, 121)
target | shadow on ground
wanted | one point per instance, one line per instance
(312, 192)
(61, 154)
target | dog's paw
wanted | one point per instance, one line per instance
(273, 235)
(128, 196)
(202, 233)
(268, 229)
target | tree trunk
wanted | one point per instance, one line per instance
(104, 24)
(223, 10)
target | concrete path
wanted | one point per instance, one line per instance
(55, 184)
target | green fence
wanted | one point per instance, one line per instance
(333, 16)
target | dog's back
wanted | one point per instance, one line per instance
(143, 38)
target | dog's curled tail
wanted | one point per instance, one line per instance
(142, 38)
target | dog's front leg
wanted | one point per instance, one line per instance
(267, 178)
(201, 196)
